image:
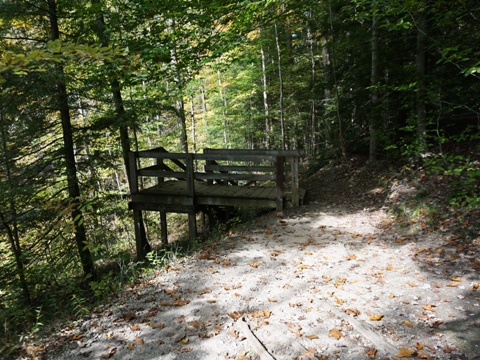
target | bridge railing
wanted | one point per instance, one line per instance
(240, 167)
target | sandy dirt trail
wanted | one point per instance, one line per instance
(322, 281)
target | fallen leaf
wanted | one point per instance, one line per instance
(457, 279)
(420, 346)
(76, 337)
(271, 300)
(428, 307)
(195, 324)
(135, 327)
(475, 286)
(335, 333)
(406, 353)
(204, 291)
(235, 315)
(389, 268)
(371, 353)
(407, 323)
(255, 264)
(452, 284)
(128, 317)
(186, 350)
(131, 346)
(311, 337)
(352, 312)
(339, 301)
(139, 340)
(376, 317)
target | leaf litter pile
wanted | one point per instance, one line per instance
(334, 279)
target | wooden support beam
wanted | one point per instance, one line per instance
(280, 191)
(163, 227)
(142, 245)
(295, 185)
(192, 226)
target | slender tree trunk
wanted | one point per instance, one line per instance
(204, 110)
(100, 30)
(313, 75)
(280, 80)
(12, 226)
(420, 61)
(192, 121)
(341, 136)
(268, 125)
(224, 107)
(328, 133)
(69, 156)
(373, 127)
(180, 109)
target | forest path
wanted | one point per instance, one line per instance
(333, 279)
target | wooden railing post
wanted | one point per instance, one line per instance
(295, 197)
(190, 177)
(132, 164)
(280, 178)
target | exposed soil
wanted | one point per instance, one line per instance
(333, 279)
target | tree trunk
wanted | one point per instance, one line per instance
(341, 136)
(192, 121)
(100, 30)
(224, 107)
(180, 110)
(69, 156)
(420, 62)
(204, 110)
(280, 80)
(313, 78)
(12, 231)
(373, 126)
(268, 125)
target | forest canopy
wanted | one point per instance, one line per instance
(85, 82)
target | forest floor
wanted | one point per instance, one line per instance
(361, 271)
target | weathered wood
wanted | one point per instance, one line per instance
(133, 181)
(294, 174)
(240, 168)
(199, 190)
(163, 227)
(280, 183)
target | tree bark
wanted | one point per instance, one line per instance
(12, 230)
(420, 62)
(280, 80)
(69, 156)
(224, 107)
(123, 129)
(341, 136)
(268, 125)
(373, 126)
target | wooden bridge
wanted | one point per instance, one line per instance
(217, 179)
